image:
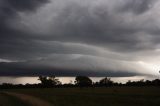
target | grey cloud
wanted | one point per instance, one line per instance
(137, 6)
(114, 30)
(19, 5)
(25, 5)
(13, 40)
(97, 25)
(9, 10)
(66, 65)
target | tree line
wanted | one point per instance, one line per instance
(80, 81)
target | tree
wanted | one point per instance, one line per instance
(106, 82)
(83, 81)
(49, 81)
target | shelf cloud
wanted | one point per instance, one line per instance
(75, 37)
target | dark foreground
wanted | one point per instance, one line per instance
(113, 96)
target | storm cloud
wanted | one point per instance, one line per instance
(74, 37)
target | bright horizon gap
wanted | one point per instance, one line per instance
(34, 80)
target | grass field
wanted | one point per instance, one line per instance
(114, 96)
(6, 100)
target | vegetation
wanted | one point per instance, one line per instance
(6, 100)
(101, 96)
(80, 81)
(86, 93)
(83, 81)
(106, 82)
(49, 81)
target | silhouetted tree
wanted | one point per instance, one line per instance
(129, 83)
(83, 81)
(49, 81)
(156, 82)
(106, 82)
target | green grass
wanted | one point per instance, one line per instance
(6, 100)
(115, 96)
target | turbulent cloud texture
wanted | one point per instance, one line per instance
(75, 37)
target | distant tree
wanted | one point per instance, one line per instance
(128, 83)
(156, 82)
(54, 80)
(83, 81)
(140, 82)
(43, 79)
(106, 81)
(49, 81)
(148, 82)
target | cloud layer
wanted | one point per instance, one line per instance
(74, 37)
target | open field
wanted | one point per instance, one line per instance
(114, 96)
(6, 100)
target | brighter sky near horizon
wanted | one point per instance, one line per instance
(66, 80)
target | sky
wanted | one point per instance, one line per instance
(115, 38)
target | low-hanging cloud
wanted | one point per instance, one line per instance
(71, 37)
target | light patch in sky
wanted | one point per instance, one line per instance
(66, 80)
(6, 60)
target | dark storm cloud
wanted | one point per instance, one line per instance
(100, 26)
(9, 9)
(71, 37)
(36, 68)
(27, 5)
(13, 40)
(137, 6)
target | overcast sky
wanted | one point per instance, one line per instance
(79, 37)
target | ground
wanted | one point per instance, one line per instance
(113, 96)
(6, 100)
